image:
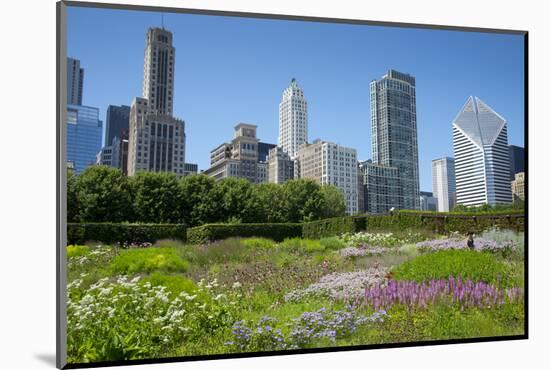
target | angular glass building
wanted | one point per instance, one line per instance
(84, 130)
(480, 144)
(394, 132)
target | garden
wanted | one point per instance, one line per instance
(204, 296)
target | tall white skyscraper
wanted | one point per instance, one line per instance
(443, 183)
(394, 132)
(292, 119)
(482, 162)
(75, 81)
(156, 140)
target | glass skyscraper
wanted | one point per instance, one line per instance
(482, 162)
(118, 120)
(84, 130)
(394, 132)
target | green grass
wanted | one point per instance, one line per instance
(147, 260)
(175, 284)
(477, 266)
(258, 243)
(77, 250)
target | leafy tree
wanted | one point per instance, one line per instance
(269, 202)
(156, 197)
(198, 201)
(72, 197)
(103, 195)
(303, 200)
(334, 202)
(236, 200)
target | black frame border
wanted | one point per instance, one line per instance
(61, 358)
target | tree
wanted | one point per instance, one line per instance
(103, 195)
(198, 201)
(236, 200)
(334, 202)
(156, 197)
(303, 200)
(269, 199)
(72, 197)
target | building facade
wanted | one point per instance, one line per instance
(427, 201)
(156, 140)
(280, 166)
(190, 169)
(480, 144)
(517, 160)
(293, 120)
(75, 82)
(394, 131)
(84, 131)
(518, 186)
(117, 121)
(443, 183)
(239, 158)
(330, 164)
(263, 150)
(381, 187)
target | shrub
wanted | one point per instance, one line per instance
(333, 226)
(258, 243)
(210, 232)
(123, 234)
(77, 250)
(132, 261)
(300, 245)
(476, 266)
(175, 284)
(332, 243)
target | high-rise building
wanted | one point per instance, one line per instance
(394, 131)
(381, 187)
(190, 169)
(75, 81)
(427, 201)
(330, 164)
(84, 130)
(480, 144)
(518, 186)
(293, 122)
(118, 120)
(280, 166)
(443, 183)
(240, 158)
(156, 139)
(517, 160)
(263, 150)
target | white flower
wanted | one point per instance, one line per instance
(236, 285)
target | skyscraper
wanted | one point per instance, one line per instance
(381, 187)
(330, 164)
(118, 120)
(292, 119)
(279, 166)
(517, 160)
(427, 201)
(84, 130)
(75, 81)
(443, 183)
(480, 144)
(156, 139)
(394, 132)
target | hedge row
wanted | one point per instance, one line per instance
(123, 234)
(275, 231)
(333, 226)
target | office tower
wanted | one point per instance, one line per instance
(292, 119)
(480, 144)
(427, 201)
(75, 81)
(109, 154)
(280, 166)
(381, 187)
(84, 130)
(118, 120)
(518, 186)
(443, 183)
(156, 139)
(517, 160)
(263, 150)
(190, 169)
(330, 164)
(394, 132)
(239, 158)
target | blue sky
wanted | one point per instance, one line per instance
(231, 70)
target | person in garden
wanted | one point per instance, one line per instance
(470, 240)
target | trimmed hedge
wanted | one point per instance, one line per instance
(275, 231)
(118, 233)
(333, 226)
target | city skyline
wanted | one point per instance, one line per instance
(337, 97)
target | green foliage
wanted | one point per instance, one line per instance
(123, 234)
(210, 232)
(199, 204)
(77, 250)
(72, 197)
(270, 202)
(299, 245)
(174, 284)
(156, 197)
(132, 261)
(236, 201)
(258, 243)
(517, 205)
(332, 227)
(477, 266)
(335, 204)
(332, 243)
(102, 194)
(303, 200)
